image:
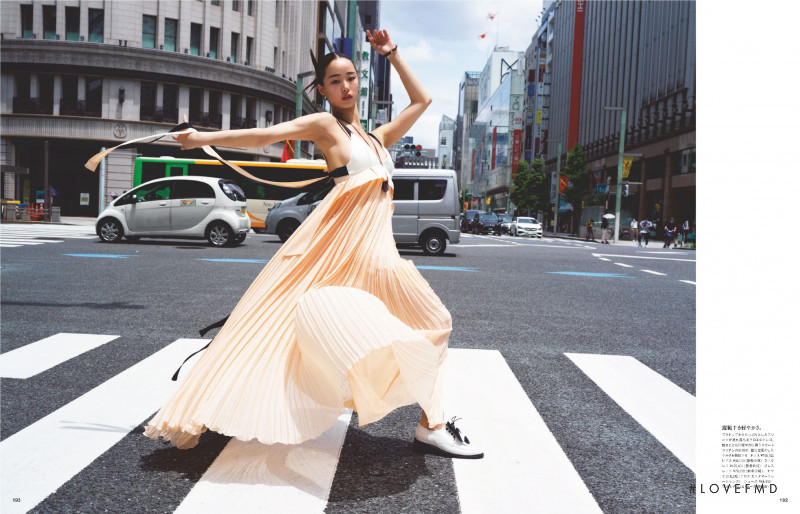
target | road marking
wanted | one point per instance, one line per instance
(35, 240)
(255, 261)
(688, 282)
(40, 458)
(248, 476)
(523, 464)
(661, 407)
(100, 255)
(623, 265)
(588, 274)
(654, 272)
(640, 257)
(604, 259)
(446, 268)
(9, 246)
(34, 358)
(21, 242)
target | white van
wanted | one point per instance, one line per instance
(426, 210)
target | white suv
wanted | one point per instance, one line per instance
(526, 227)
(178, 207)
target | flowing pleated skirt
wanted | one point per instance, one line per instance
(335, 320)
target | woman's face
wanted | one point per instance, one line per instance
(340, 85)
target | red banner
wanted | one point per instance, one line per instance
(516, 152)
(575, 79)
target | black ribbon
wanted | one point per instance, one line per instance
(203, 332)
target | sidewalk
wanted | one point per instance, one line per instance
(65, 220)
(654, 243)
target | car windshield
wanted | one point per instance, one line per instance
(232, 190)
(488, 217)
(527, 220)
(504, 217)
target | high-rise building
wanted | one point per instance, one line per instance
(467, 110)
(636, 55)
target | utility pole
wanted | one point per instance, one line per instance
(619, 168)
(298, 111)
(558, 185)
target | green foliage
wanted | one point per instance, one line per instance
(579, 178)
(530, 189)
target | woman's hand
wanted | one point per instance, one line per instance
(380, 41)
(189, 139)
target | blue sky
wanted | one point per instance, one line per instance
(440, 41)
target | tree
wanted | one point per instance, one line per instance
(530, 190)
(575, 170)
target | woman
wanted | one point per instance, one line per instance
(336, 319)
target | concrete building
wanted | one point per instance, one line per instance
(467, 110)
(495, 135)
(640, 56)
(88, 74)
(444, 154)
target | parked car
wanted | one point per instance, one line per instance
(524, 226)
(505, 220)
(425, 213)
(485, 222)
(190, 207)
(284, 217)
(466, 219)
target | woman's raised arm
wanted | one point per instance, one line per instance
(310, 128)
(391, 132)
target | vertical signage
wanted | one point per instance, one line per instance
(364, 83)
(494, 146)
(472, 174)
(575, 78)
(517, 145)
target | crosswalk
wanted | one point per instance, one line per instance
(524, 463)
(15, 235)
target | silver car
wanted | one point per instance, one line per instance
(523, 226)
(178, 207)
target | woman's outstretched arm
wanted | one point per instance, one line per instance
(391, 132)
(311, 127)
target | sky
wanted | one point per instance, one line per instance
(440, 41)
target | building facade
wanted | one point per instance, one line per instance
(83, 75)
(447, 128)
(636, 55)
(467, 110)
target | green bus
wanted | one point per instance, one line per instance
(260, 197)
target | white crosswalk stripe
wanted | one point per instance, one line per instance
(13, 235)
(524, 462)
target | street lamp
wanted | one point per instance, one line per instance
(619, 167)
(298, 111)
(558, 185)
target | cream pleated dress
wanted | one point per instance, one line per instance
(335, 320)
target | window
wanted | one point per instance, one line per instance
(147, 101)
(26, 16)
(170, 35)
(195, 104)
(170, 103)
(443, 141)
(234, 47)
(192, 189)
(73, 23)
(403, 189)
(236, 106)
(250, 7)
(69, 88)
(248, 59)
(196, 39)
(23, 91)
(432, 189)
(213, 104)
(214, 2)
(235, 5)
(148, 31)
(46, 93)
(49, 21)
(154, 192)
(96, 25)
(688, 161)
(213, 46)
(94, 96)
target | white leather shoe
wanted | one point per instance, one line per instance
(448, 442)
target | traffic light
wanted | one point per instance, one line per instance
(625, 189)
(418, 148)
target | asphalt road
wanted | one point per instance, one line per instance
(533, 301)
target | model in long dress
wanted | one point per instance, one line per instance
(336, 319)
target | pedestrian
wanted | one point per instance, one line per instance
(604, 230)
(685, 230)
(669, 233)
(336, 319)
(644, 231)
(634, 229)
(590, 229)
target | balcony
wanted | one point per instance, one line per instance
(158, 114)
(78, 108)
(33, 105)
(238, 122)
(204, 119)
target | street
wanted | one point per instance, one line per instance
(572, 364)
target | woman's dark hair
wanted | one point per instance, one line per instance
(322, 65)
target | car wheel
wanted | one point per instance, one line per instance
(220, 234)
(109, 230)
(239, 239)
(286, 228)
(434, 244)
